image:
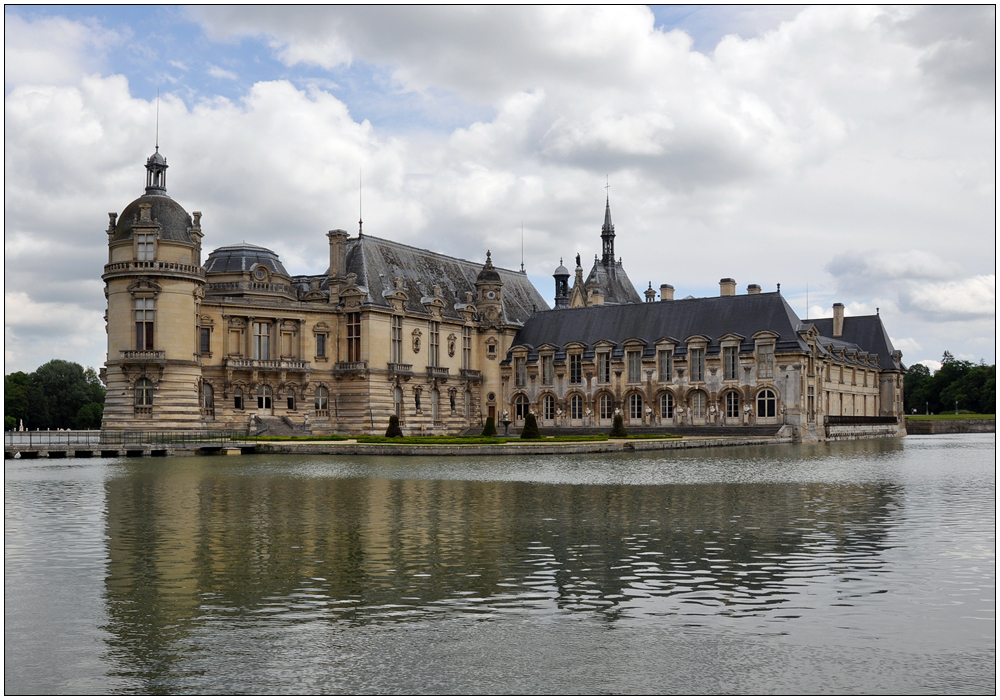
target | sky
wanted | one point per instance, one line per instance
(845, 153)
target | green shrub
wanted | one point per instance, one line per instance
(9, 423)
(618, 429)
(393, 430)
(490, 429)
(531, 431)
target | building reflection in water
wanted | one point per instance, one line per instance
(195, 544)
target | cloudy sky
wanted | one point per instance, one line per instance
(846, 153)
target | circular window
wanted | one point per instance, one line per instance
(491, 396)
(491, 295)
(260, 273)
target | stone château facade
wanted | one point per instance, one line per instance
(236, 342)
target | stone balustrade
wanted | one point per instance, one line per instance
(144, 355)
(252, 364)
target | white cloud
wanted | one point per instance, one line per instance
(52, 51)
(222, 73)
(973, 297)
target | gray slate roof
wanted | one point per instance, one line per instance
(678, 320)
(615, 284)
(243, 258)
(865, 332)
(175, 223)
(378, 262)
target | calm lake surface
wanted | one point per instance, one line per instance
(865, 567)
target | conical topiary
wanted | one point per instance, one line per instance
(618, 429)
(490, 429)
(393, 430)
(531, 431)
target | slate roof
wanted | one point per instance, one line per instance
(243, 258)
(863, 332)
(678, 320)
(614, 283)
(378, 262)
(175, 223)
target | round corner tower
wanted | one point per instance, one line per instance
(154, 283)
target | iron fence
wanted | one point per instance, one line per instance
(47, 438)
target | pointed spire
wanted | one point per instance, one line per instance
(608, 237)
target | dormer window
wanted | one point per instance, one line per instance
(260, 274)
(696, 359)
(145, 246)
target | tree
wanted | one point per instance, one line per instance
(393, 430)
(530, 430)
(618, 427)
(89, 416)
(490, 429)
(53, 395)
(915, 388)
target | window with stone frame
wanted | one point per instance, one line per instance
(635, 407)
(698, 404)
(143, 395)
(767, 404)
(264, 397)
(604, 368)
(321, 345)
(576, 407)
(396, 340)
(208, 399)
(606, 406)
(575, 368)
(696, 358)
(238, 399)
(145, 246)
(205, 340)
(811, 403)
(765, 361)
(466, 347)
(634, 358)
(730, 362)
(665, 365)
(397, 402)
(547, 373)
(520, 371)
(666, 405)
(732, 405)
(321, 400)
(549, 408)
(261, 341)
(520, 407)
(434, 344)
(354, 336)
(145, 313)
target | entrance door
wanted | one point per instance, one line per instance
(265, 406)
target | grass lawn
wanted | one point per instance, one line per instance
(952, 416)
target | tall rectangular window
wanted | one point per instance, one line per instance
(696, 357)
(520, 374)
(144, 313)
(321, 345)
(729, 363)
(466, 347)
(575, 368)
(434, 344)
(665, 365)
(547, 370)
(354, 336)
(205, 340)
(765, 361)
(604, 368)
(396, 347)
(634, 366)
(144, 243)
(261, 341)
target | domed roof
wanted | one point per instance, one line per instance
(175, 223)
(243, 258)
(489, 273)
(156, 158)
(561, 271)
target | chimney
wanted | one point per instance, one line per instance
(338, 262)
(666, 292)
(753, 289)
(727, 287)
(838, 320)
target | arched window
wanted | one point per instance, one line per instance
(666, 405)
(143, 393)
(607, 407)
(520, 407)
(238, 399)
(732, 405)
(263, 396)
(698, 404)
(322, 400)
(767, 404)
(549, 408)
(635, 406)
(576, 407)
(208, 399)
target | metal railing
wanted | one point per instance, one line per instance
(43, 438)
(52, 438)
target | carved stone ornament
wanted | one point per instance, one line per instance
(416, 340)
(451, 344)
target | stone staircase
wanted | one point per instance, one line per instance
(278, 426)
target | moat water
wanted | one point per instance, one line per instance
(854, 567)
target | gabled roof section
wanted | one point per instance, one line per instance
(712, 317)
(378, 262)
(865, 332)
(613, 283)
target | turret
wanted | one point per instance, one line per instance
(561, 276)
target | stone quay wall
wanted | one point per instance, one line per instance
(940, 427)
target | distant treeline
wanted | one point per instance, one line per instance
(59, 394)
(973, 387)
